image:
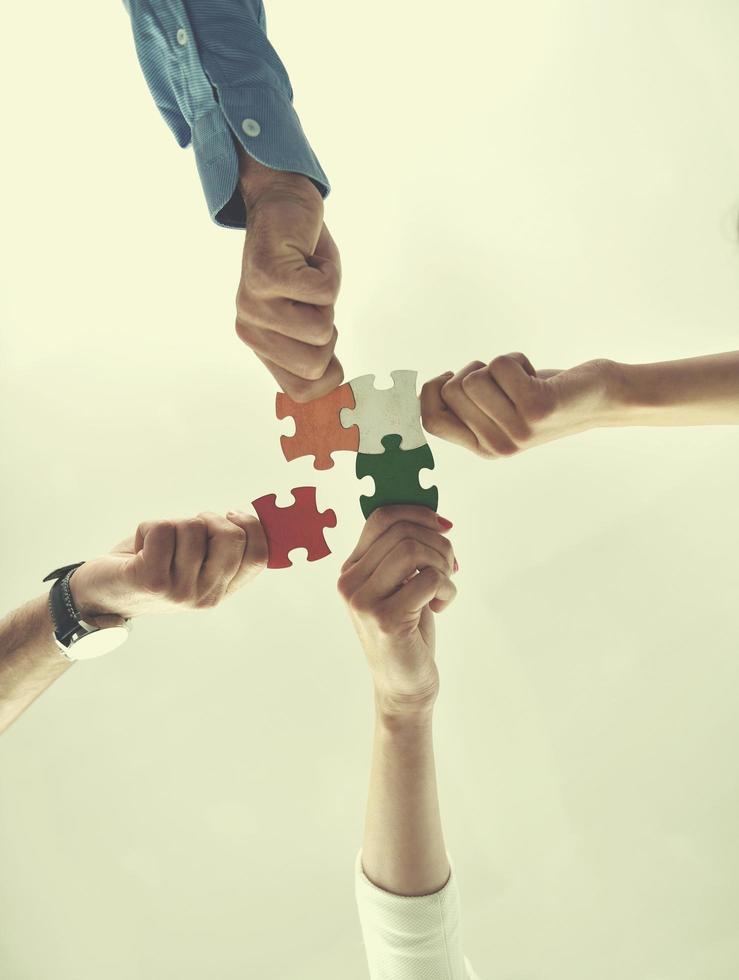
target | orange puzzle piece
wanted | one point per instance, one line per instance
(318, 428)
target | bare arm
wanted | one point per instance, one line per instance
(403, 850)
(506, 406)
(30, 661)
(395, 581)
(166, 566)
(693, 391)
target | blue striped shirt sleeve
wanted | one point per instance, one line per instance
(215, 78)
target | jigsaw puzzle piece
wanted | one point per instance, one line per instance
(384, 410)
(318, 431)
(301, 525)
(395, 472)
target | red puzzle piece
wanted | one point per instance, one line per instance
(318, 428)
(301, 525)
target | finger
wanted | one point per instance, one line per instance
(226, 543)
(491, 440)
(493, 402)
(155, 555)
(326, 248)
(383, 518)
(301, 390)
(306, 361)
(400, 564)
(402, 534)
(256, 552)
(439, 420)
(524, 362)
(430, 586)
(189, 555)
(513, 374)
(304, 322)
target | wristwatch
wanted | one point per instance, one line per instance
(76, 639)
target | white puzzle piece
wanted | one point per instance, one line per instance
(385, 411)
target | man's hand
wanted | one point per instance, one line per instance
(171, 565)
(290, 278)
(506, 406)
(398, 575)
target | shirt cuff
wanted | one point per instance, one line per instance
(420, 931)
(265, 123)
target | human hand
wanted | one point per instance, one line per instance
(290, 279)
(398, 575)
(504, 407)
(168, 566)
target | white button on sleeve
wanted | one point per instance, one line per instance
(182, 36)
(251, 127)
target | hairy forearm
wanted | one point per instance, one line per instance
(29, 659)
(693, 391)
(403, 850)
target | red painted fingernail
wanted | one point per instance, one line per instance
(444, 522)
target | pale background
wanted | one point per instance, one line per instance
(557, 178)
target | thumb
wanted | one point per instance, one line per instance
(256, 551)
(288, 252)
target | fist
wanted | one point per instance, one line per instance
(397, 577)
(172, 565)
(290, 279)
(501, 408)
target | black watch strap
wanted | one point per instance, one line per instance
(67, 623)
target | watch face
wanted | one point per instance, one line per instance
(98, 643)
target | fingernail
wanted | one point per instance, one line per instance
(232, 513)
(444, 522)
(456, 565)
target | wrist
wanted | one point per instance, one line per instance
(255, 178)
(619, 393)
(394, 715)
(88, 604)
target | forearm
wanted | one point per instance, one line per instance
(403, 850)
(693, 391)
(29, 659)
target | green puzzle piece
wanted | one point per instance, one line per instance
(395, 473)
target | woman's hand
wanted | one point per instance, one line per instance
(506, 406)
(393, 582)
(168, 566)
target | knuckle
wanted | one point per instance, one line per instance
(381, 518)
(244, 331)
(244, 304)
(210, 599)
(313, 363)
(321, 333)
(432, 421)
(236, 535)
(359, 603)
(501, 361)
(343, 586)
